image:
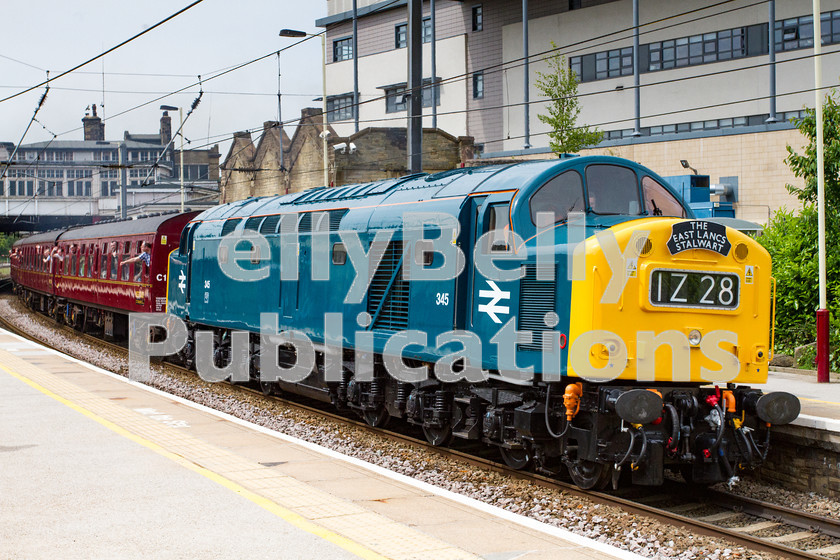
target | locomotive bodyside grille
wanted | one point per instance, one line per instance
(536, 298)
(394, 313)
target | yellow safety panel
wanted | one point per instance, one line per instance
(646, 328)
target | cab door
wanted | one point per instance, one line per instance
(494, 301)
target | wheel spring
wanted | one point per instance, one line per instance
(377, 391)
(403, 390)
(440, 404)
(342, 386)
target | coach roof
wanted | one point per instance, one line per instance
(46, 238)
(119, 227)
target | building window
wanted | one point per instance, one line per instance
(50, 173)
(477, 18)
(342, 49)
(400, 35)
(79, 188)
(50, 188)
(617, 62)
(340, 108)
(396, 98)
(574, 4)
(798, 33)
(663, 55)
(58, 155)
(576, 66)
(427, 30)
(196, 172)
(478, 85)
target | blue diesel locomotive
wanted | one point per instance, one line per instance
(571, 313)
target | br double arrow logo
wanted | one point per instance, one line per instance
(496, 295)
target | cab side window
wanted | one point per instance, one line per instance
(659, 201)
(559, 196)
(499, 227)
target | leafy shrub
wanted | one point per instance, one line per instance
(791, 241)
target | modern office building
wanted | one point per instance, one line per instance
(709, 89)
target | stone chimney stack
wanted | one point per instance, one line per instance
(94, 127)
(165, 128)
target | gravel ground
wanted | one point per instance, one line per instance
(641, 535)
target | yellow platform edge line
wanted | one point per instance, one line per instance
(285, 514)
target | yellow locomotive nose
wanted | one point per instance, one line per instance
(672, 300)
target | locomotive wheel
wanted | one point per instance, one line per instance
(376, 418)
(267, 388)
(438, 436)
(188, 360)
(589, 475)
(516, 458)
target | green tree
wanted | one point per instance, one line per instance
(791, 239)
(6, 242)
(805, 165)
(560, 85)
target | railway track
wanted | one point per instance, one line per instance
(753, 524)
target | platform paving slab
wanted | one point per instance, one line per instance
(114, 467)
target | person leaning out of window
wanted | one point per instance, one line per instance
(145, 256)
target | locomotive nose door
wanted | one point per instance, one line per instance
(494, 299)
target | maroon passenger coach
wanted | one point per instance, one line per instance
(75, 276)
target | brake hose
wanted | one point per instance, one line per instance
(547, 422)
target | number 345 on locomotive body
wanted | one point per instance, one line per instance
(592, 325)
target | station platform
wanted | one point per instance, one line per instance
(93, 465)
(820, 401)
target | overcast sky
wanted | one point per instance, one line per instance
(56, 35)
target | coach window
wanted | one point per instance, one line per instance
(559, 196)
(74, 271)
(82, 261)
(91, 261)
(103, 262)
(499, 226)
(659, 201)
(612, 189)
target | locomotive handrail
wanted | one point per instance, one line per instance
(772, 320)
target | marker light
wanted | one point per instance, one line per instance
(694, 337)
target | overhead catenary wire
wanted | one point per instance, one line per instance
(401, 159)
(100, 55)
(544, 100)
(34, 114)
